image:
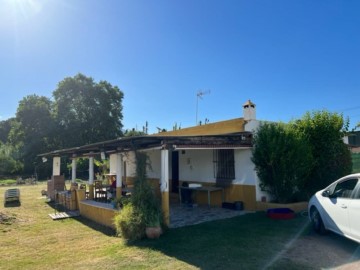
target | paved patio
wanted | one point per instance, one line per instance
(182, 215)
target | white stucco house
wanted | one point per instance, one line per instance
(215, 157)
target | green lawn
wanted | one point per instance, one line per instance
(7, 182)
(34, 241)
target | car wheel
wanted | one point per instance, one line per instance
(317, 222)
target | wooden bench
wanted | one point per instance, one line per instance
(12, 195)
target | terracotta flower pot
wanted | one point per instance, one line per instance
(153, 232)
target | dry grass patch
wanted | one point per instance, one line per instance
(7, 219)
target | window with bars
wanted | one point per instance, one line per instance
(224, 164)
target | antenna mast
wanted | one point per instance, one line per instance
(200, 94)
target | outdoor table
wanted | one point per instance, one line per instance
(203, 189)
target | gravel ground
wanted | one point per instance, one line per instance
(329, 251)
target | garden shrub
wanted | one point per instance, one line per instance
(282, 161)
(331, 156)
(143, 207)
(129, 224)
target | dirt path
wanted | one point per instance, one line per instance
(328, 251)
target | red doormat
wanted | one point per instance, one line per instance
(280, 213)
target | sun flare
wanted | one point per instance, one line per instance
(25, 8)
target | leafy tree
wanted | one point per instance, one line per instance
(5, 127)
(332, 159)
(82, 112)
(31, 131)
(102, 166)
(86, 111)
(133, 133)
(282, 160)
(8, 163)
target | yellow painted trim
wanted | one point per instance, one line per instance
(97, 214)
(80, 196)
(118, 192)
(91, 191)
(165, 207)
(244, 193)
(233, 193)
(296, 207)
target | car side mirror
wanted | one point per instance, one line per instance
(326, 193)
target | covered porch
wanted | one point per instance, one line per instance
(168, 173)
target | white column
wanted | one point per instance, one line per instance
(56, 165)
(91, 170)
(164, 186)
(91, 177)
(73, 170)
(119, 173)
(112, 162)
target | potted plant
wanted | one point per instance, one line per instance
(152, 215)
(140, 214)
(145, 199)
(153, 232)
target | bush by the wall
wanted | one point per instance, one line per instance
(129, 224)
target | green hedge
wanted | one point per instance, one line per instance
(355, 162)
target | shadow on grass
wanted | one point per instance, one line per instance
(96, 226)
(244, 242)
(87, 222)
(12, 204)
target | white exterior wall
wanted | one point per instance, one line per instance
(244, 168)
(155, 164)
(196, 165)
(154, 158)
(245, 172)
(129, 158)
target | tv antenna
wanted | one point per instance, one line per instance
(200, 94)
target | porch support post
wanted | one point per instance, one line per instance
(91, 177)
(119, 174)
(56, 165)
(165, 186)
(73, 169)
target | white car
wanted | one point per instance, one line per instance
(337, 208)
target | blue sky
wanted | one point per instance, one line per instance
(288, 57)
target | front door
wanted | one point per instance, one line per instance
(175, 171)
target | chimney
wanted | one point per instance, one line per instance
(249, 111)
